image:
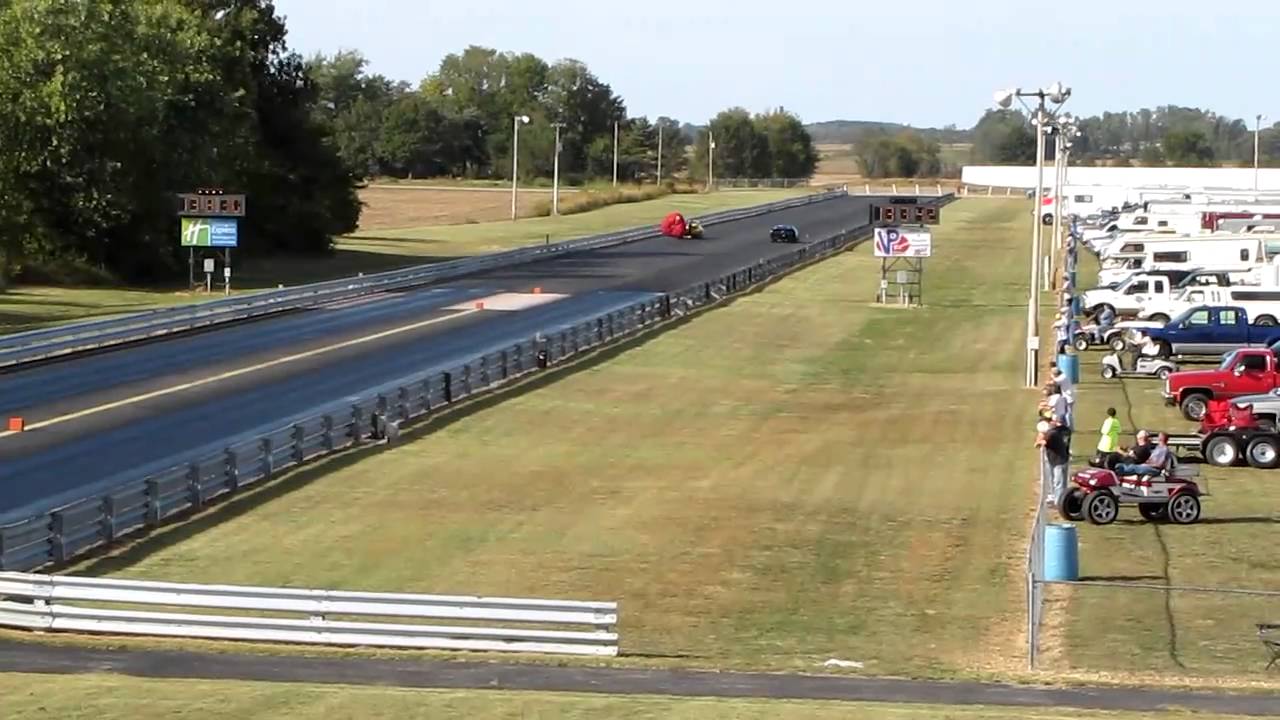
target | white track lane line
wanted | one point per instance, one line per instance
(237, 372)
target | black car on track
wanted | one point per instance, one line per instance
(784, 233)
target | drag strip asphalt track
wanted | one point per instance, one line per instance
(54, 659)
(99, 415)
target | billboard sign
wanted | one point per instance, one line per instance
(209, 232)
(896, 242)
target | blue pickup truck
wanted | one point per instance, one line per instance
(1210, 330)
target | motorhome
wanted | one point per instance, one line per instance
(1242, 256)
(1261, 302)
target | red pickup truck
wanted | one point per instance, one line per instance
(1247, 371)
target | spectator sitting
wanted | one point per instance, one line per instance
(1156, 463)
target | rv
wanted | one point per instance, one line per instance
(1241, 256)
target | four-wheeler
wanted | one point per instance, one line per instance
(1088, 335)
(1147, 366)
(1096, 495)
(784, 233)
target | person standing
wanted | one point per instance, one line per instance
(1109, 440)
(1057, 455)
(1067, 389)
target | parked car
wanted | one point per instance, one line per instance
(784, 233)
(1210, 330)
(1242, 372)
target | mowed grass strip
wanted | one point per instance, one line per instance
(798, 476)
(108, 697)
(376, 249)
(1144, 634)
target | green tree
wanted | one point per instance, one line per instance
(1188, 147)
(675, 147)
(1004, 137)
(791, 153)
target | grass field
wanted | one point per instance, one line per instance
(28, 307)
(837, 163)
(1132, 633)
(112, 697)
(795, 477)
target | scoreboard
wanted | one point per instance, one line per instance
(904, 211)
(210, 203)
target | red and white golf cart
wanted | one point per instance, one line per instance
(1096, 494)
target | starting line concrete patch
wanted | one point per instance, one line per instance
(509, 301)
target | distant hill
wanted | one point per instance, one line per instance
(850, 131)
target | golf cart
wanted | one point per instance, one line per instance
(1148, 366)
(1096, 495)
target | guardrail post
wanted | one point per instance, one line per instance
(299, 438)
(233, 470)
(268, 458)
(426, 394)
(154, 510)
(506, 363)
(108, 520)
(3, 548)
(327, 423)
(195, 492)
(404, 403)
(484, 371)
(448, 387)
(467, 385)
(59, 545)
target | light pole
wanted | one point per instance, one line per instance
(711, 148)
(1257, 132)
(1057, 94)
(1066, 132)
(555, 173)
(615, 153)
(515, 157)
(659, 152)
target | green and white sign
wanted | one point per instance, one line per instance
(209, 232)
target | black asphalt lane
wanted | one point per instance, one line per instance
(62, 660)
(60, 459)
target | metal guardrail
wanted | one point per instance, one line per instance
(45, 603)
(62, 340)
(64, 527)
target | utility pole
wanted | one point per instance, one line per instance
(615, 153)
(1257, 132)
(555, 173)
(659, 153)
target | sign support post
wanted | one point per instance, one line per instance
(902, 242)
(210, 218)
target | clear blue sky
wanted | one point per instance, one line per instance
(838, 59)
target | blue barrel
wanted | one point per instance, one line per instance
(1070, 366)
(1061, 552)
(1075, 305)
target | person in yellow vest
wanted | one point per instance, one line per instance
(1109, 440)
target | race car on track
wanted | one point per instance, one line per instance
(675, 225)
(784, 233)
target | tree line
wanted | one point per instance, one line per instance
(461, 119)
(112, 107)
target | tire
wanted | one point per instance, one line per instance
(1194, 406)
(1265, 321)
(1221, 451)
(1164, 373)
(1152, 511)
(1263, 453)
(1047, 219)
(1163, 350)
(1184, 508)
(1080, 343)
(1071, 504)
(1116, 343)
(1101, 508)
(1160, 318)
(1108, 372)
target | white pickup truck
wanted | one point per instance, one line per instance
(1141, 291)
